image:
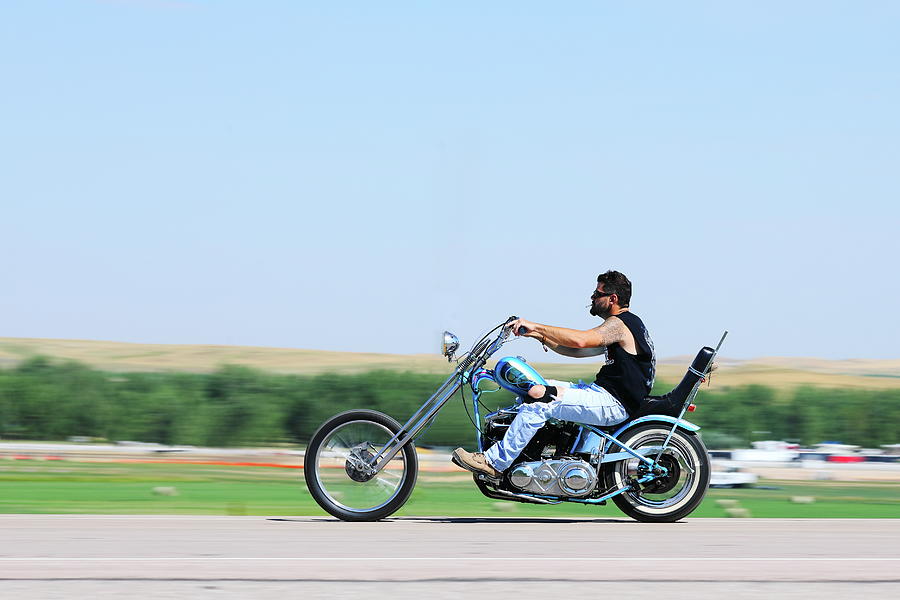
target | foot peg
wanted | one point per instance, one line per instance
(488, 478)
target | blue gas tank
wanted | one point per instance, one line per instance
(514, 374)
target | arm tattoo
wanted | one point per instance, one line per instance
(612, 330)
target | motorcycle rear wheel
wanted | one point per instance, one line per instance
(669, 498)
(343, 490)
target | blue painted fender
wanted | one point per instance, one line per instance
(665, 418)
(686, 425)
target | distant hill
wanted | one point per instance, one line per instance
(121, 356)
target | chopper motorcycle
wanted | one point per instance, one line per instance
(361, 465)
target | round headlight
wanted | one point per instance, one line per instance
(449, 345)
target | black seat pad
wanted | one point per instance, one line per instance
(672, 403)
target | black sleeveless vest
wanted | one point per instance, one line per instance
(626, 376)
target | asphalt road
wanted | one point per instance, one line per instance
(240, 557)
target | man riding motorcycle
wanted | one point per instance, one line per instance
(624, 380)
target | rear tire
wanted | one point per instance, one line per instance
(670, 498)
(342, 490)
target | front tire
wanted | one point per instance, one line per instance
(345, 491)
(669, 498)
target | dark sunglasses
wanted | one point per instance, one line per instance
(597, 294)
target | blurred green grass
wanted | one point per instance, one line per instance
(112, 488)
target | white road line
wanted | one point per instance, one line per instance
(451, 558)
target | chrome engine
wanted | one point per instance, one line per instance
(555, 477)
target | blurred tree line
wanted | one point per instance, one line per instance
(235, 406)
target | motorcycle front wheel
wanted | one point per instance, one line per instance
(333, 460)
(668, 498)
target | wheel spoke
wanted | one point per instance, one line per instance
(385, 483)
(340, 438)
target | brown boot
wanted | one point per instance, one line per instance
(474, 462)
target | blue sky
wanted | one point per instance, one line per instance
(359, 176)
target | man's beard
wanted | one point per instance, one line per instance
(597, 312)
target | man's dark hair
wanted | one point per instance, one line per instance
(616, 283)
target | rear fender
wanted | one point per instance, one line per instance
(686, 425)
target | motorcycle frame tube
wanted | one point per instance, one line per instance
(476, 378)
(479, 439)
(421, 417)
(628, 451)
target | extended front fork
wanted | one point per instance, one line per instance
(415, 425)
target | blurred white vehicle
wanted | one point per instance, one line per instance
(729, 474)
